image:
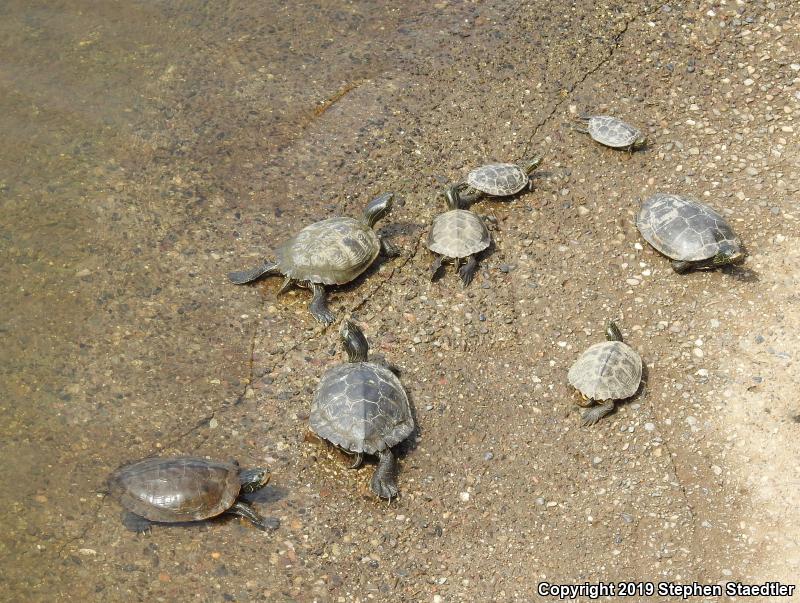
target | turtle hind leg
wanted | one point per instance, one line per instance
(467, 271)
(389, 249)
(594, 414)
(319, 306)
(383, 481)
(136, 523)
(681, 267)
(242, 509)
(436, 266)
(241, 277)
(358, 460)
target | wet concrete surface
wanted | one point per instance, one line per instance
(152, 147)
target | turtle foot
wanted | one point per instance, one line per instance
(681, 267)
(383, 483)
(136, 523)
(269, 523)
(319, 307)
(384, 489)
(593, 415)
(467, 271)
(389, 249)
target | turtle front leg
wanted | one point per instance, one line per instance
(287, 284)
(319, 305)
(136, 523)
(242, 509)
(383, 482)
(436, 266)
(681, 267)
(389, 249)
(594, 414)
(467, 271)
(247, 276)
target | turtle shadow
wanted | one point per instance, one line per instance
(741, 274)
(266, 496)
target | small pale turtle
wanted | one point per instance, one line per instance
(170, 490)
(494, 179)
(362, 408)
(458, 234)
(607, 371)
(330, 252)
(692, 234)
(612, 132)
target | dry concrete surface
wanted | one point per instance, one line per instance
(150, 148)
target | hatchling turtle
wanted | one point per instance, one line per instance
(458, 234)
(607, 371)
(362, 408)
(494, 179)
(330, 252)
(612, 132)
(692, 234)
(170, 490)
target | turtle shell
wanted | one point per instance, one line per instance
(612, 132)
(684, 229)
(610, 370)
(457, 234)
(176, 489)
(332, 251)
(361, 407)
(499, 179)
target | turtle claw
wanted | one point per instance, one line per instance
(594, 414)
(467, 271)
(319, 307)
(383, 488)
(323, 316)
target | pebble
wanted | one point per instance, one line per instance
(437, 599)
(488, 456)
(583, 210)
(87, 551)
(716, 469)
(649, 426)
(697, 352)
(632, 281)
(82, 273)
(540, 501)
(597, 460)
(213, 424)
(464, 496)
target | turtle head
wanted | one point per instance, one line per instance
(353, 341)
(254, 479)
(452, 197)
(729, 254)
(531, 164)
(378, 208)
(612, 331)
(640, 142)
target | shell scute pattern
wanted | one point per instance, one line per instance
(684, 229)
(499, 179)
(332, 251)
(611, 131)
(610, 370)
(184, 489)
(458, 233)
(361, 407)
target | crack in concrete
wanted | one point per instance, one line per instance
(615, 44)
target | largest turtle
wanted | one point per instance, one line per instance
(692, 234)
(330, 252)
(180, 489)
(362, 408)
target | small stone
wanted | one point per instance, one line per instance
(464, 496)
(697, 352)
(437, 599)
(759, 339)
(632, 281)
(626, 517)
(213, 423)
(82, 273)
(488, 456)
(540, 501)
(583, 210)
(649, 426)
(91, 552)
(597, 460)
(716, 469)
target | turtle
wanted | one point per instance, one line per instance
(186, 488)
(458, 233)
(607, 371)
(496, 180)
(612, 132)
(329, 252)
(692, 234)
(362, 408)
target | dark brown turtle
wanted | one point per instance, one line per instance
(170, 490)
